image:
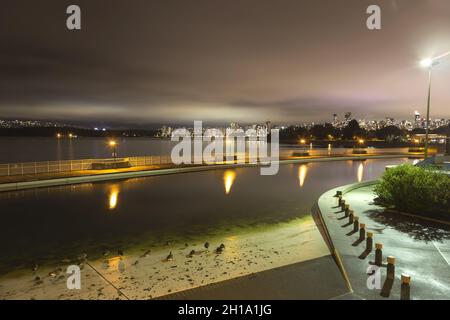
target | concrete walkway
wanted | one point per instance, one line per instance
(421, 248)
(14, 183)
(314, 279)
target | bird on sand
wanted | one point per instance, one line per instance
(146, 254)
(82, 256)
(206, 244)
(170, 256)
(220, 248)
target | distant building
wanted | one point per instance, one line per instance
(433, 138)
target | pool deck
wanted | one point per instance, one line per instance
(421, 247)
(21, 182)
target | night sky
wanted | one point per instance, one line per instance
(148, 62)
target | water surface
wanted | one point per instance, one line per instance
(52, 223)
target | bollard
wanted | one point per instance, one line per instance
(405, 291)
(369, 242)
(390, 273)
(348, 212)
(338, 193)
(356, 224)
(378, 254)
(362, 231)
(346, 209)
(351, 217)
(340, 201)
(343, 205)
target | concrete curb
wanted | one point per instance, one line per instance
(15, 186)
(345, 189)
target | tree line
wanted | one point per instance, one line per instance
(351, 132)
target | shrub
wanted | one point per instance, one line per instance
(422, 191)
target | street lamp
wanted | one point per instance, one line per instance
(430, 63)
(113, 144)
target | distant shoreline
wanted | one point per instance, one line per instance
(151, 134)
(46, 132)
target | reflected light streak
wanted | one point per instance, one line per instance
(360, 172)
(228, 179)
(113, 197)
(302, 171)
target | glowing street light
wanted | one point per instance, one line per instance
(113, 145)
(426, 63)
(430, 63)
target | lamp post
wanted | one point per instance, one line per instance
(113, 144)
(430, 63)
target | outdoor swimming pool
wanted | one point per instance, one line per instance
(49, 224)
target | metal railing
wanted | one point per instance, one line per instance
(26, 168)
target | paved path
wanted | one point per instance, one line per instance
(20, 182)
(314, 279)
(421, 248)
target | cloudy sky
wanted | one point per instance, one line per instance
(288, 61)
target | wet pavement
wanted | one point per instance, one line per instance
(421, 248)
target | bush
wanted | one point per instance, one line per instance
(422, 191)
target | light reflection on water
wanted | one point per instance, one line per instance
(302, 171)
(113, 196)
(228, 177)
(360, 172)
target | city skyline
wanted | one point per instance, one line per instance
(339, 121)
(171, 63)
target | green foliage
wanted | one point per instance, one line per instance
(416, 190)
(353, 130)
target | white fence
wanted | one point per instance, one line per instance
(11, 169)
